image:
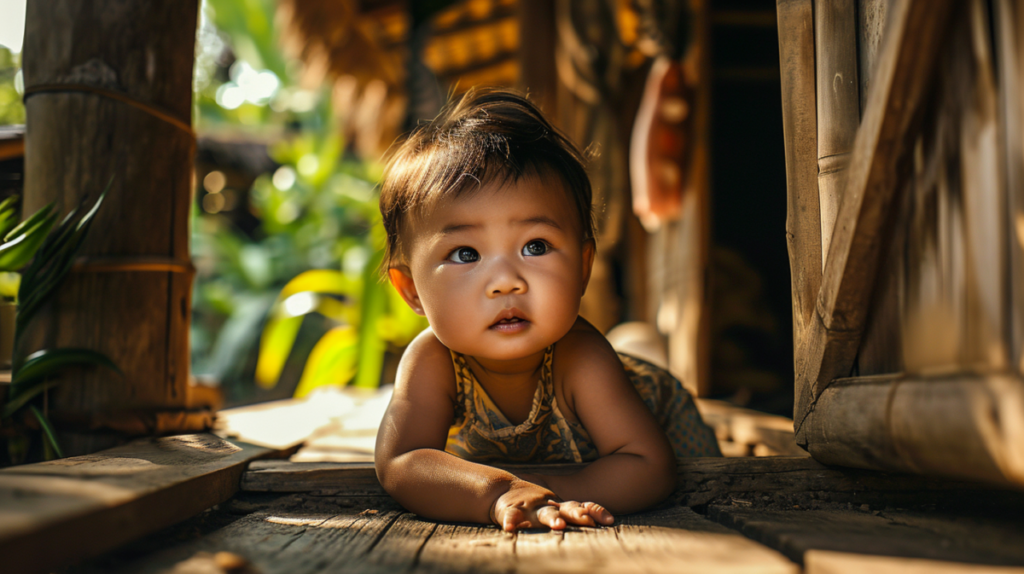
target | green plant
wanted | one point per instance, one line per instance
(19, 242)
(31, 375)
(368, 314)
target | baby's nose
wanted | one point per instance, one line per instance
(506, 280)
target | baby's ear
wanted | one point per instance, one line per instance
(403, 282)
(589, 251)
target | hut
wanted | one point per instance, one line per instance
(901, 127)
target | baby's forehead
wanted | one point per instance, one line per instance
(528, 196)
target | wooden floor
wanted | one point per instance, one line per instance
(307, 534)
(329, 514)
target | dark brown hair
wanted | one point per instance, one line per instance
(486, 136)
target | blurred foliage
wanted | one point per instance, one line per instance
(315, 251)
(12, 111)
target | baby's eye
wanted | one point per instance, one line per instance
(535, 247)
(464, 255)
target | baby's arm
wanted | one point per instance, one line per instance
(637, 468)
(413, 467)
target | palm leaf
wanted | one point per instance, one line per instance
(48, 431)
(48, 362)
(18, 251)
(8, 215)
(28, 392)
(29, 223)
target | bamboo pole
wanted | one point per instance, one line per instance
(837, 103)
(108, 97)
(803, 227)
(965, 426)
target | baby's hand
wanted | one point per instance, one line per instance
(528, 505)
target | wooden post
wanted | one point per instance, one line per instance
(538, 74)
(1009, 20)
(838, 104)
(803, 227)
(108, 97)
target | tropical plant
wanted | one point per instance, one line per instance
(369, 317)
(19, 242)
(12, 110)
(296, 303)
(32, 374)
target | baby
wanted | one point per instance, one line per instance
(491, 236)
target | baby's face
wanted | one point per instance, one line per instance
(498, 272)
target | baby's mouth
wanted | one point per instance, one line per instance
(509, 318)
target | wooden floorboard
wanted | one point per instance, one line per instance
(93, 503)
(304, 534)
(701, 481)
(957, 538)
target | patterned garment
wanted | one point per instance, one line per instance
(481, 432)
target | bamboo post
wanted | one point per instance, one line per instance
(803, 227)
(838, 104)
(108, 96)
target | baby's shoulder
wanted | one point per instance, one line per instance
(426, 364)
(583, 353)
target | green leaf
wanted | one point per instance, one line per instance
(51, 435)
(17, 252)
(8, 215)
(48, 362)
(38, 216)
(26, 394)
(332, 362)
(373, 307)
(275, 347)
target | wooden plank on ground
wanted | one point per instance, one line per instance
(700, 481)
(666, 540)
(904, 69)
(58, 512)
(396, 550)
(826, 562)
(888, 533)
(457, 548)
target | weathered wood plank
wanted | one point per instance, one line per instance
(904, 69)
(750, 428)
(470, 549)
(597, 550)
(888, 533)
(535, 548)
(94, 503)
(396, 551)
(701, 481)
(803, 227)
(827, 562)
(666, 540)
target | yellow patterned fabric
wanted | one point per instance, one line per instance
(481, 432)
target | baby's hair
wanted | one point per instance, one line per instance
(486, 136)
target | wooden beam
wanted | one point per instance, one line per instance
(701, 481)
(799, 123)
(904, 70)
(56, 513)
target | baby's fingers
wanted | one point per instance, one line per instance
(551, 516)
(576, 513)
(512, 518)
(599, 513)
